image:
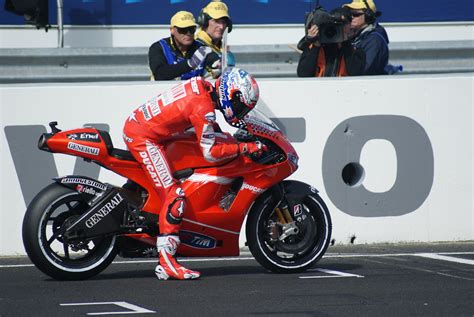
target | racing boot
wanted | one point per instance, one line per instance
(168, 266)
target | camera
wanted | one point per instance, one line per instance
(331, 27)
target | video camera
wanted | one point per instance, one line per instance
(331, 27)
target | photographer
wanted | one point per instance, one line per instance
(326, 49)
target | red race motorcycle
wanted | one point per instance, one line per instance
(75, 227)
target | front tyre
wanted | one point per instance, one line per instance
(293, 245)
(54, 208)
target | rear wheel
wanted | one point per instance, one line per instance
(53, 209)
(285, 245)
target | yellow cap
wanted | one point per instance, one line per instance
(361, 4)
(183, 19)
(216, 10)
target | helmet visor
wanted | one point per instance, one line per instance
(239, 108)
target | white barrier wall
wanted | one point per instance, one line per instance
(411, 135)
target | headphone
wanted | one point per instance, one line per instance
(370, 16)
(203, 20)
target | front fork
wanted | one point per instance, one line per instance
(285, 220)
(283, 215)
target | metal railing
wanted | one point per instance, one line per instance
(131, 64)
(59, 4)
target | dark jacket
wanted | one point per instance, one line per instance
(354, 60)
(161, 68)
(374, 41)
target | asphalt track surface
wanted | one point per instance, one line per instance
(374, 280)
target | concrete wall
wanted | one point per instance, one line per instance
(144, 36)
(411, 138)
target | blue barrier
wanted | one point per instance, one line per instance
(146, 12)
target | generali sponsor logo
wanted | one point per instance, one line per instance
(104, 211)
(83, 148)
(156, 166)
(150, 168)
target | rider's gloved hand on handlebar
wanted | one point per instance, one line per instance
(253, 148)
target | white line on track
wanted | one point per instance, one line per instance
(445, 258)
(332, 273)
(438, 256)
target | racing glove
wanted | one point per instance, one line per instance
(255, 149)
(212, 64)
(199, 56)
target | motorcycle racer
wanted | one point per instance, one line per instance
(190, 104)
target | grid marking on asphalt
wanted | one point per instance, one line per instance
(438, 256)
(441, 257)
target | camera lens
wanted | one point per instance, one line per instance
(330, 32)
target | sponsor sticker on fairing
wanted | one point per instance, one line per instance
(104, 211)
(84, 136)
(88, 182)
(85, 189)
(197, 240)
(252, 188)
(83, 148)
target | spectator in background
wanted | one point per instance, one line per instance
(213, 20)
(179, 56)
(321, 57)
(369, 36)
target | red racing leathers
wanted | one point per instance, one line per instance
(185, 105)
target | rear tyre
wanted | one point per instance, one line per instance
(50, 211)
(295, 252)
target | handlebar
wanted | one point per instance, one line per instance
(273, 154)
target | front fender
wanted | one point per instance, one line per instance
(296, 191)
(293, 191)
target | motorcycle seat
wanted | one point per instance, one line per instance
(117, 153)
(127, 156)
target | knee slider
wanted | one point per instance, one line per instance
(175, 211)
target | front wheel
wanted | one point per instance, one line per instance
(53, 209)
(289, 242)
